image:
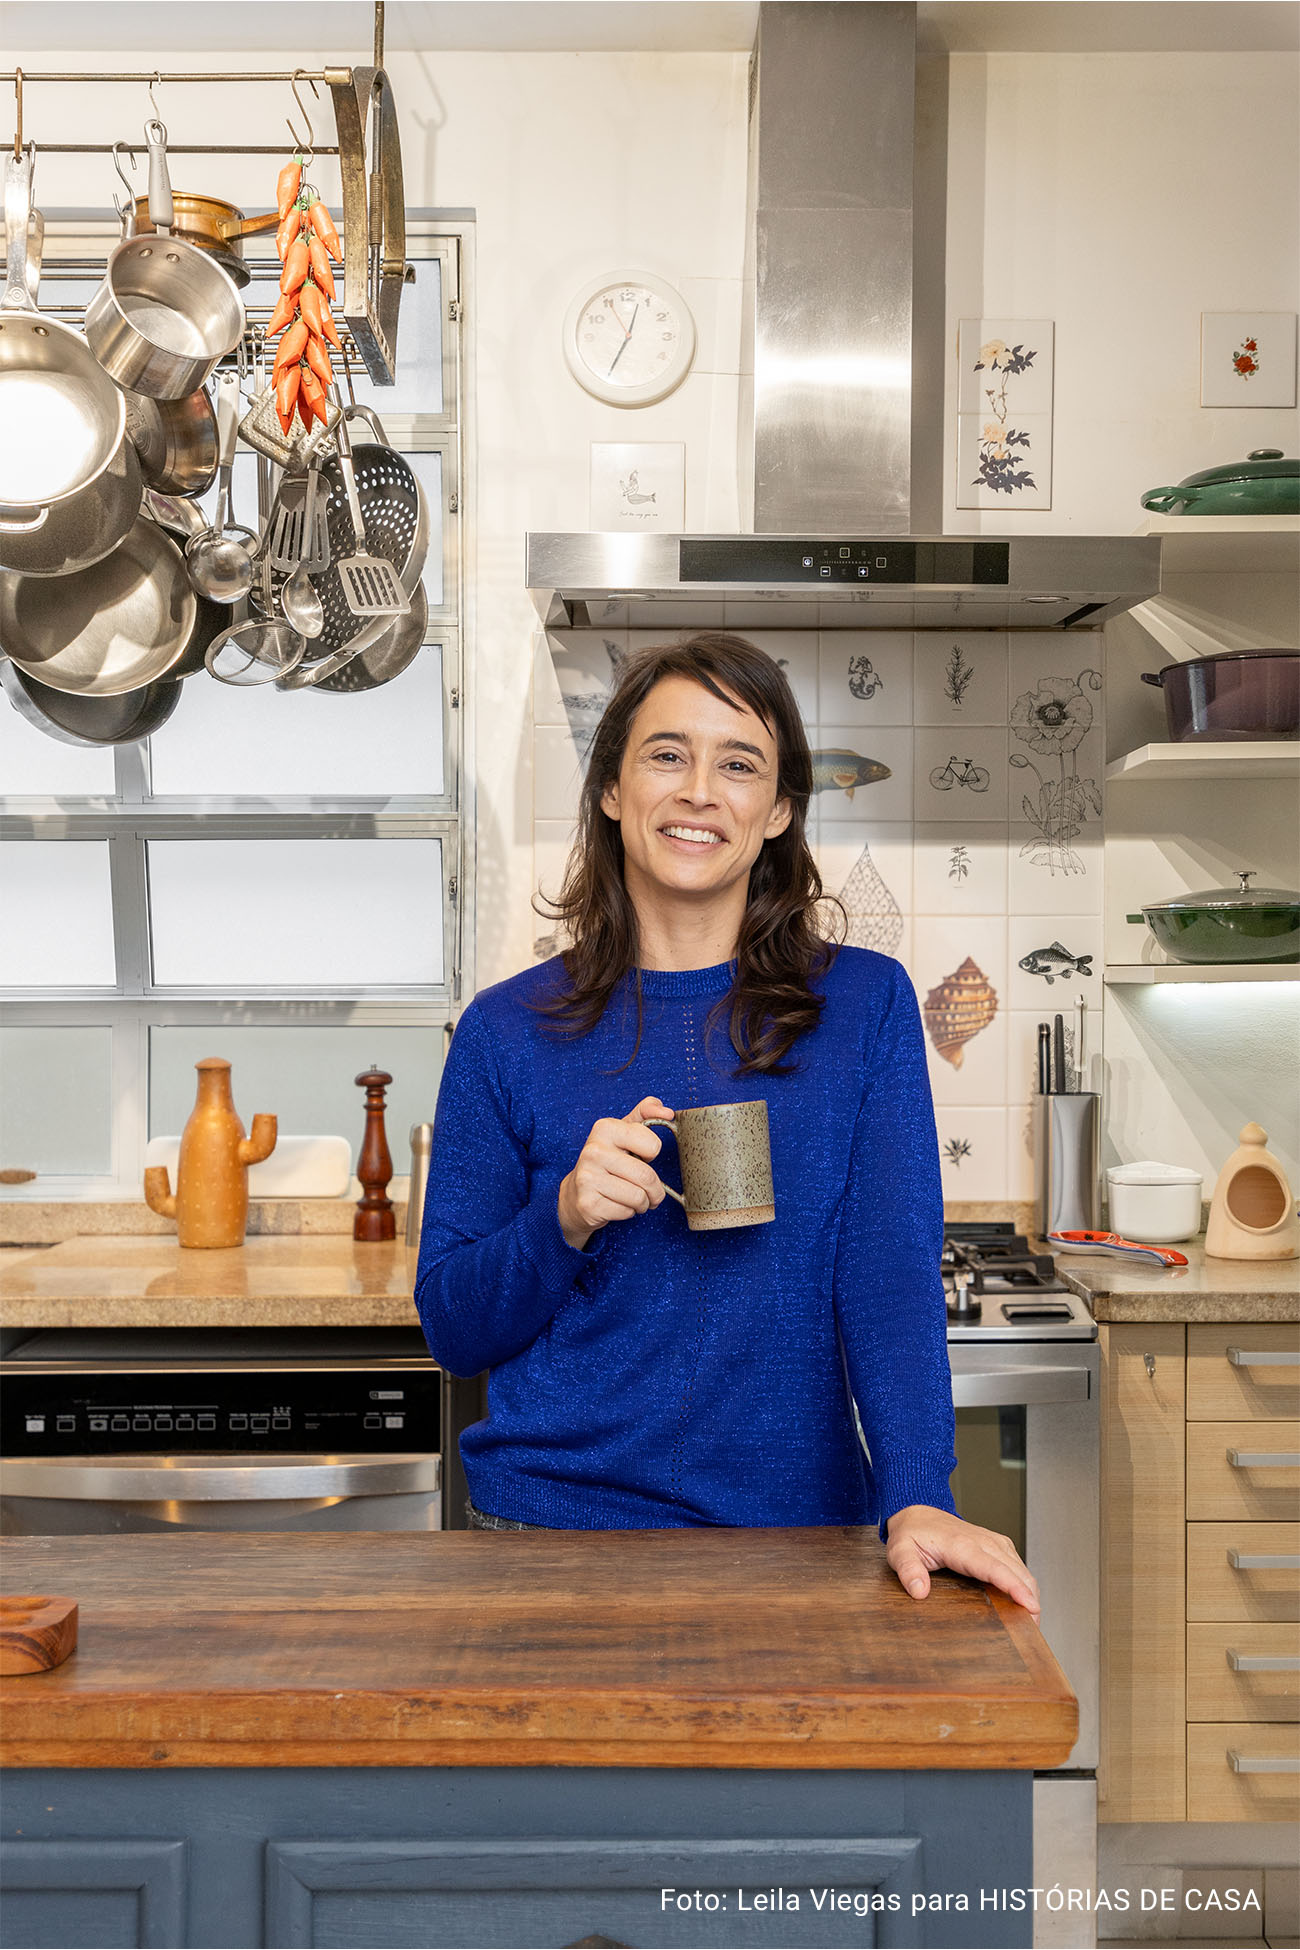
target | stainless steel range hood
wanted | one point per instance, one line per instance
(840, 459)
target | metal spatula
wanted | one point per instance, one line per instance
(371, 585)
(298, 536)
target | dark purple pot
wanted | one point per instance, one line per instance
(1238, 694)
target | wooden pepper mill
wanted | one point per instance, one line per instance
(375, 1220)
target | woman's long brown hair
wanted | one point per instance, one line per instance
(781, 947)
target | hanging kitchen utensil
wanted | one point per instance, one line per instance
(89, 721)
(173, 511)
(298, 598)
(63, 420)
(213, 226)
(176, 441)
(376, 663)
(297, 537)
(165, 313)
(1228, 924)
(370, 582)
(260, 428)
(220, 560)
(110, 628)
(257, 650)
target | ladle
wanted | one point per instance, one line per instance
(220, 560)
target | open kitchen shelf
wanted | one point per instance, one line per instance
(1120, 974)
(1220, 544)
(1272, 758)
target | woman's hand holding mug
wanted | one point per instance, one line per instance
(613, 1178)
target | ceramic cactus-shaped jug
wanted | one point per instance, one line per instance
(210, 1203)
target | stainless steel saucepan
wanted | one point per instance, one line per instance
(166, 312)
(62, 420)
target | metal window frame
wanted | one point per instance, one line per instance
(136, 1004)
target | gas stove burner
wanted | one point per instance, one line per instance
(994, 1258)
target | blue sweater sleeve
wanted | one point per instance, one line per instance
(888, 1289)
(494, 1265)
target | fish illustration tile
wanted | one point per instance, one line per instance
(960, 677)
(865, 677)
(960, 773)
(861, 773)
(972, 1151)
(958, 869)
(1052, 959)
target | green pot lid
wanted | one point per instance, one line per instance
(1241, 896)
(1263, 464)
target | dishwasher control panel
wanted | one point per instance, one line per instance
(71, 1407)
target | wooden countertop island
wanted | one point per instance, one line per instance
(528, 1735)
(731, 1648)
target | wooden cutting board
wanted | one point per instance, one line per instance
(36, 1633)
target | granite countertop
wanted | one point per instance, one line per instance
(706, 1647)
(1204, 1289)
(282, 1280)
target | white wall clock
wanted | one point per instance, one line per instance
(629, 338)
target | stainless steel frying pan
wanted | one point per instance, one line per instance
(89, 721)
(111, 628)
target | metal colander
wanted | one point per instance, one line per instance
(396, 524)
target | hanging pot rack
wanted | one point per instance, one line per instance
(374, 210)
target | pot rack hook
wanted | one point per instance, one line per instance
(306, 149)
(123, 178)
(150, 85)
(18, 117)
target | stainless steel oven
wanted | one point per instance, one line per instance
(1025, 1376)
(205, 1430)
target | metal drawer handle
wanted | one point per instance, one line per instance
(1264, 1560)
(1261, 1763)
(1264, 1458)
(1262, 1662)
(1245, 1357)
(1015, 1387)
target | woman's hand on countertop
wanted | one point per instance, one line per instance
(612, 1178)
(921, 1539)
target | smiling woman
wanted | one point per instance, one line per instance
(646, 1374)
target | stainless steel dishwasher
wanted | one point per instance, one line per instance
(143, 1430)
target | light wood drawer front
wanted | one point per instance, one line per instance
(1233, 1672)
(1218, 1589)
(1219, 1488)
(1215, 1792)
(1223, 1386)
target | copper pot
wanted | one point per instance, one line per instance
(213, 226)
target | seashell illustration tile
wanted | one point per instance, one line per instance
(963, 1003)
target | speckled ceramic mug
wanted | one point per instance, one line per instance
(726, 1161)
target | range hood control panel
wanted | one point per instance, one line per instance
(768, 559)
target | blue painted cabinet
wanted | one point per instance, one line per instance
(501, 1857)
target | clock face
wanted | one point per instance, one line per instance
(629, 339)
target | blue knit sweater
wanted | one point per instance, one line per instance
(664, 1377)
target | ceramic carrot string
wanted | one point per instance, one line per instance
(306, 240)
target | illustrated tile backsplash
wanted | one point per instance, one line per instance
(956, 815)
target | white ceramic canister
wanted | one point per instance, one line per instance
(1154, 1203)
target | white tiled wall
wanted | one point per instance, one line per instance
(937, 862)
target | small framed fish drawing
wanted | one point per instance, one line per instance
(637, 484)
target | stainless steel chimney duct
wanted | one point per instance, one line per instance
(831, 196)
